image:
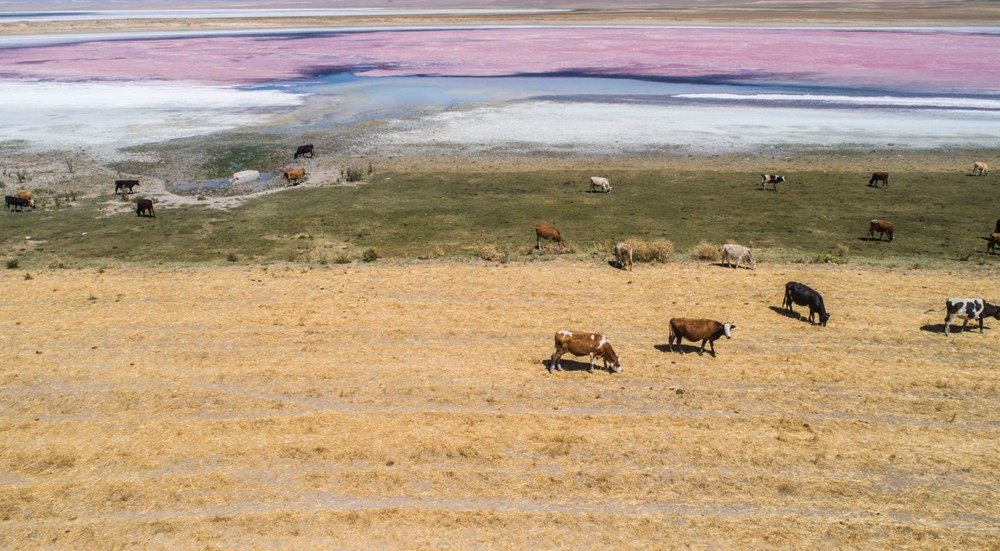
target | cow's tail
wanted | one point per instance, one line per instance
(934, 310)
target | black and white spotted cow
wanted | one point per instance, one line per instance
(772, 179)
(969, 309)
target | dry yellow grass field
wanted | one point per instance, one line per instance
(408, 406)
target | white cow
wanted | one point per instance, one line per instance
(739, 254)
(981, 168)
(600, 184)
(244, 176)
(623, 255)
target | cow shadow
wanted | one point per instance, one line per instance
(785, 312)
(615, 265)
(876, 239)
(573, 365)
(686, 348)
(955, 328)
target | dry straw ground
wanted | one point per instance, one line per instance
(407, 406)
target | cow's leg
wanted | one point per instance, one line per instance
(981, 318)
(554, 360)
(711, 343)
(591, 370)
(701, 351)
(947, 324)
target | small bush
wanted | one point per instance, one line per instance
(842, 250)
(342, 258)
(27, 276)
(659, 250)
(12, 264)
(829, 258)
(369, 255)
(706, 251)
(232, 257)
(490, 253)
(354, 173)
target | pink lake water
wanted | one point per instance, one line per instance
(919, 83)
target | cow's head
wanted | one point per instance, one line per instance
(823, 318)
(753, 262)
(728, 329)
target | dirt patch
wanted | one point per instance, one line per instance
(409, 406)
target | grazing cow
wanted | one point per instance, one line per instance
(739, 253)
(16, 202)
(981, 168)
(997, 229)
(991, 246)
(772, 179)
(623, 255)
(546, 232)
(244, 176)
(600, 184)
(27, 196)
(882, 227)
(123, 184)
(803, 295)
(969, 309)
(694, 330)
(303, 150)
(583, 344)
(144, 206)
(879, 177)
(294, 175)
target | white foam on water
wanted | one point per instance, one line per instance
(106, 115)
(616, 128)
(859, 101)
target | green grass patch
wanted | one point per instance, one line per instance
(816, 217)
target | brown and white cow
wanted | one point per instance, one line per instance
(981, 168)
(738, 254)
(882, 227)
(293, 175)
(579, 343)
(600, 184)
(694, 330)
(991, 245)
(27, 196)
(879, 177)
(772, 179)
(623, 255)
(543, 231)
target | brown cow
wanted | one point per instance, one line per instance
(582, 344)
(991, 247)
(879, 177)
(144, 205)
(882, 227)
(294, 175)
(546, 232)
(27, 196)
(704, 330)
(623, 255)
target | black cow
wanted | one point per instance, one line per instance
(968, 309)
(997, 229)
(16, 202)
(302, 150)
(121, 185)
(144, 206)
(803, 295)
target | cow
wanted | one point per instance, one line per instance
(144, 206)
(882, 227)
(121, 185)
(694, 330)
(991, 245)
(968, 309)
(599, 184)
(16, 202)
(980, 168)
(244, 176)
(803, 295)
(27, 196)
(293, 175)
(546, 232)
(623, 255)
(739, 253)
(879, 177)
(303, 150)
(772, 179)
(579, 343)
(997, 228)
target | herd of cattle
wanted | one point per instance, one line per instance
(596, 345)
(693, 330)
